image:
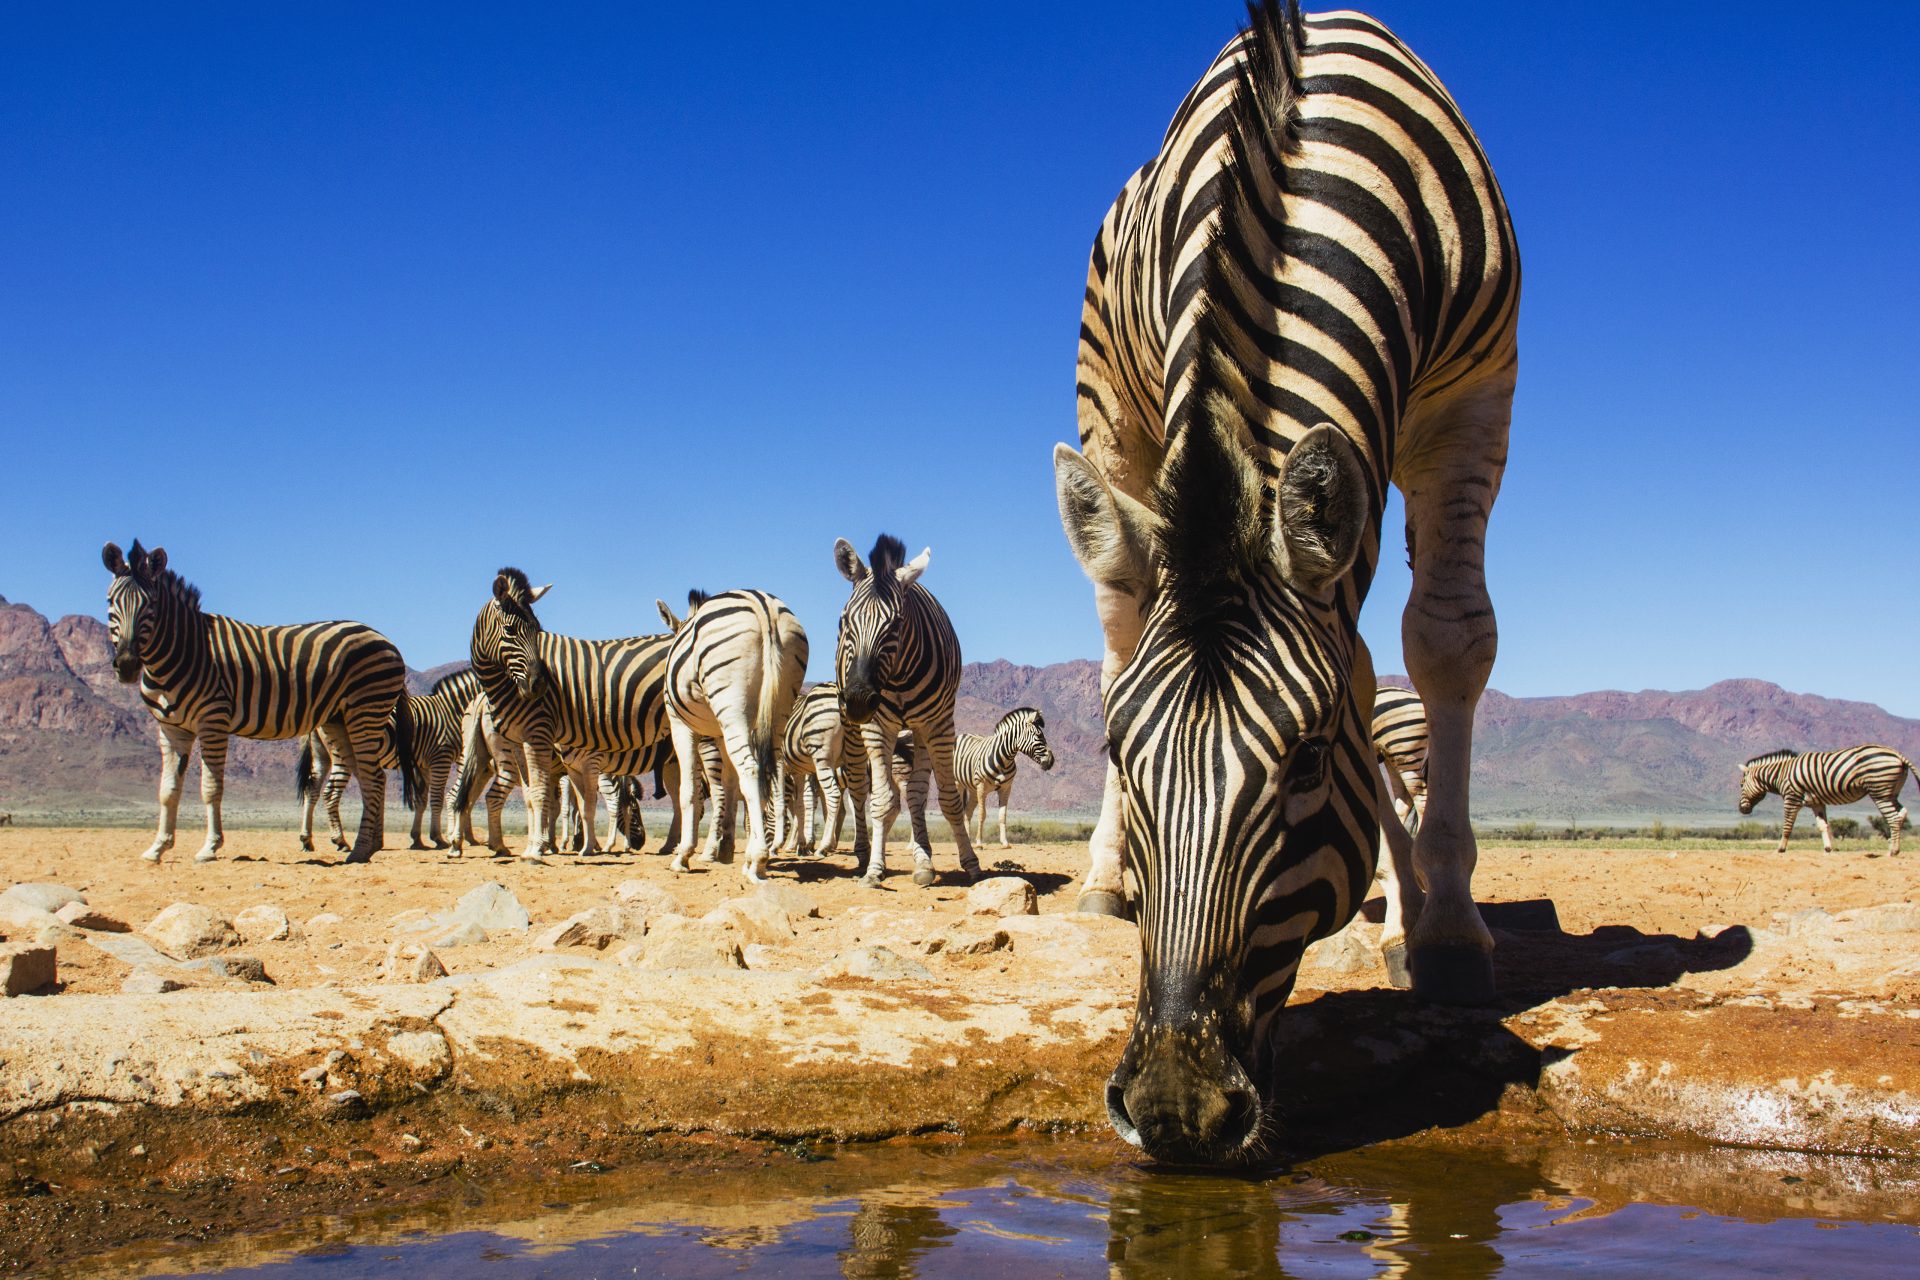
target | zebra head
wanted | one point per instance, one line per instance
(869, 624)
(1029, 730)
(507, 634)
(1759, 776)
(138, 601)
(1244, 758)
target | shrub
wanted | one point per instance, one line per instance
(1845, 828)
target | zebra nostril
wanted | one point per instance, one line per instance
(1117, 1113)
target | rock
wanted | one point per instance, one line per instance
(347, 1100)
(185, 931)
(421, 1050)
(79, 915)
(130, 949)
(24, 917)
(1805, 923)
(1892, 917)
(264, 923)
(1353, 951)
(675, 942)
(967, 937)
(411, 916)
(790, 898)
(325, 922)
(315, 1076)
(461, 935)
(148, 982)
(594, 927)
(411, 964)
(491, 906)
(1002, 896)
(47, 897)
(876, 963)
(755, 919)
(246, 968)
(646, 898)
(765, 959)
(24, 969)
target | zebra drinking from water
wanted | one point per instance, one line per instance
(898, 667)
(1816, 779)
(206, 678)
(1311, 290)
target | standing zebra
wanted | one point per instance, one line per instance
(1313, 289)
(1400, 744)
(1820, 778)
(815, 747)
(588, 698)
(984, 766)
(898, 667)
(436, 746)
(206, 677)
(733, 673)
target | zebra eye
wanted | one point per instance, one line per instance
(1308, 768)
(1113, 752)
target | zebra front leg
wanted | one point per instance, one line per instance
(1826, 831)
(1398, 884)
(213, 785)
(826, 776)
(1005, 794)
(952, 804)
(919, 767)
(1789, 814)
(542, 790)
(176, 749)
(877, 736)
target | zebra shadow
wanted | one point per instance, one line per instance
(1358, 1067)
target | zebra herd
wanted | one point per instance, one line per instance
(714, 708)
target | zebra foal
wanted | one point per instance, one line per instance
(436, 748)
(207, 678)
(1816, 779)
(1310, 292)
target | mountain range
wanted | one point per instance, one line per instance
(76, 742)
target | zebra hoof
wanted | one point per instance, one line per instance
(357, 857)
(1098, 902)
(869, 882)
(306, 845)
(1398, 974)
(151, 855)
(923, 875)
(415, 844)
(1452, 973)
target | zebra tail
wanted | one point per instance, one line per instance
(763, 732)
(475, 759)
(303, 770)
(413, 782)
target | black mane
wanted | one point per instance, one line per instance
(888, 554)
(166, 582)
(1769, 757)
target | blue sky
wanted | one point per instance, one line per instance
(348, 305)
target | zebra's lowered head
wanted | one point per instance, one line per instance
(1241, 753)
(141, 590)
(508, 632)
(868, 631)
(1757, 777)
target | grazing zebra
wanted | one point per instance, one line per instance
(585, 698)
(982, 767)
(1400, 744)
(436, 746)
(1312, 290)
(1820, 778)
(898, 667)
(206, 677)
(733, 673)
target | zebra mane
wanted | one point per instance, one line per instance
(165, 581)
(1032, 713)
(1771, 756)
(1210, 492)
(888, 554)
(448, 678)
(696, 598)
(519, 589)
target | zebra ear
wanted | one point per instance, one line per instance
(1321, 512)
(537, 592)
(910, 571)
(157, 560)
(666, 615)
(1112, 535)
(110, 556)
(848, 561)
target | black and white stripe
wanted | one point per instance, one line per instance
(436, 751)
(1311, 290)
(1816, 779)
(206, 678)
(1400, 743)
(897, 665)
(817, 750)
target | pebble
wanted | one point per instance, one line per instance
(1002, 896)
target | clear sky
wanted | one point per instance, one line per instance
(348, 305)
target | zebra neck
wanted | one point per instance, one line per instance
(1001, 752)
(185, 652)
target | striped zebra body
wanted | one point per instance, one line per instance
(1816, 779)
(897, 665)
(206, 678)
(816, 749)
(436, 749)
(1312, 290)
(1400, 744)
(588, 699)
(733, 674)
(982, 767)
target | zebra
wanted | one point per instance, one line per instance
(436, 746)
(206, 677)
(1313, 289)
(1400, 744)
(733, 673)
(586, 698)
(815, 748)
(897, 666)
(1817, 779)
(982, 767)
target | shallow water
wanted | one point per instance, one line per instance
(1040, 1207)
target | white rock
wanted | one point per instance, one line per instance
(491, 906)
(325, 922)
(1002, 896)
(421, 1050)
(411, 964)
(790, 898)
(755, 919)
(876, 963)
(646, 898)
(185, 930)
(675, 942)
(969, 937)
(79, 915)
(24, 969)
(461, 935)
(1891, 917)
(264, 923)
(148, 982)
(47, 897)
(594, 927)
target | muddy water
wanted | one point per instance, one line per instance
(1073, 1207)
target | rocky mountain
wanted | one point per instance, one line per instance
(74, 740)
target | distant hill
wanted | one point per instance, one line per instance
(74, 740)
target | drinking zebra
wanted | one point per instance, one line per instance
(733, 673)
(1311, 290)
(1816, 779)
(898, 667)
(586, 698)
(206, 677)
(436, 746)
(1400, 744)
